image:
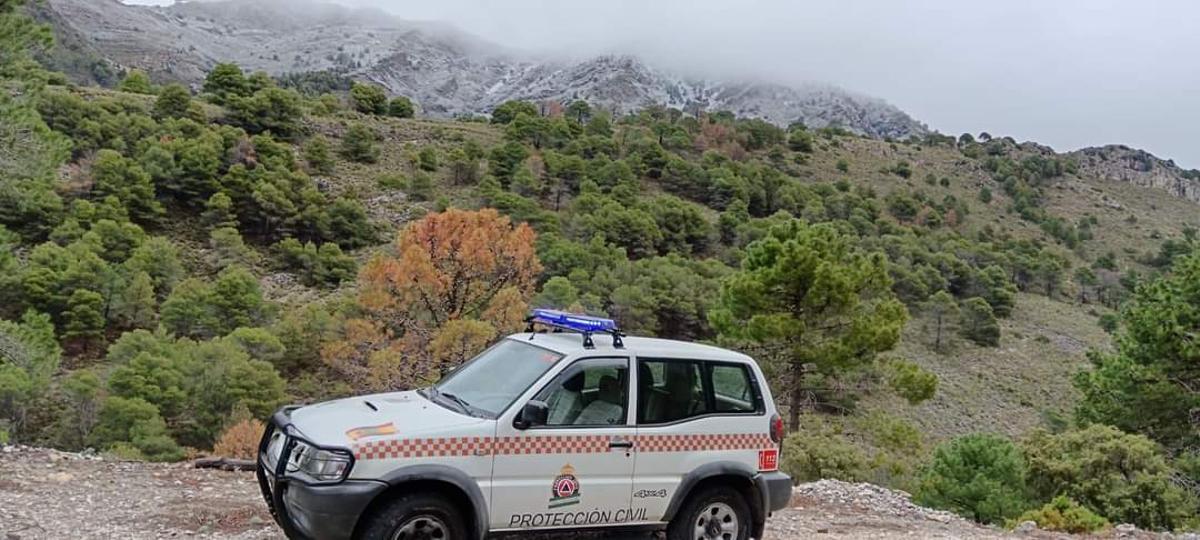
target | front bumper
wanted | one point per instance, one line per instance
(307, 511)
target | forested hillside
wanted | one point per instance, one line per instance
(174, 266)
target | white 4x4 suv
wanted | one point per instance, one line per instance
(542, 431)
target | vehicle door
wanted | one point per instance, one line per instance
(693, 413)
(576, 469)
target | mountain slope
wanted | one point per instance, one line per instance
(445, 71)
(1139, 167)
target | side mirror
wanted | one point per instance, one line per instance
(535, 413)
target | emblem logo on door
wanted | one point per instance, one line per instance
(565, 490)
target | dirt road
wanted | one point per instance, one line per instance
(45, 494)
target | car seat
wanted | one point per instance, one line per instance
(566, 402)
(606, 409)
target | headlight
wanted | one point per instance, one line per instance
(317, 464)
(274, 450)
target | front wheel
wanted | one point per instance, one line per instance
(416, 516)
(717, 513)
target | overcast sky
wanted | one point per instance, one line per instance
(1068, 73)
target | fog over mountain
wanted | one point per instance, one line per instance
(447, 71)
(1068, 73)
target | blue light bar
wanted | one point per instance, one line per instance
(570, 321)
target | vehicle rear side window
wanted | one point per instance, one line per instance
(674, 390)
(670, 390)
(732, 389)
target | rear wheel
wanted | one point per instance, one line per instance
(416, 516)
(716, 513)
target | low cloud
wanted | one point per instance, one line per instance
(1068, 73)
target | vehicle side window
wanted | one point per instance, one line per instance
(732, 388)
(591, 392)
(670, 390)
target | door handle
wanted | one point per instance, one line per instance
(620, 443)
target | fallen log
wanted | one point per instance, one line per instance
(224, 464)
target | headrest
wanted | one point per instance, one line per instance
(576, 382)
(645, 376)
(610, 389)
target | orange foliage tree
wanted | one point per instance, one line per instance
(457, 281)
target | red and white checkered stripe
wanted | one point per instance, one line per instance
(417, 448)
(702, 443)
(565, 444)
(557, 444)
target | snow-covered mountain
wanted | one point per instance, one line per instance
(446, 71)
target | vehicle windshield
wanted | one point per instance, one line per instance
(493, 380)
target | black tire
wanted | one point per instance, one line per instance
(426, 515)
(697, 512)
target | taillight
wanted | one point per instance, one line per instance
(777, 429)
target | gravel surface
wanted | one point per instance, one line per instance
(46, 494)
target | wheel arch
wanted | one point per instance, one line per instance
(453, 483)
(737, 475)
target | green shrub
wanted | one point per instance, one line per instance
(911, 382)
(174, 101)
(137, 82)
(979, 323)
(392, 181)
(420, 186)
(134, 429)
(1123, 477)
(1064, 515)
(979, 476)
(820, 454)
(401, 107)
(1110, 322)
(428, 159)
(369, 98)
(318, 155)
(360, 144)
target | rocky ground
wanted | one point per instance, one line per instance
(46, 494)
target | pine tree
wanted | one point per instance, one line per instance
(136, 82)
(137, 306)
(401, 107)
(1149, 384)
(225, 82)
(792, 283)
(228, 248)
(579, 111)
(174, 101)
(218, 212)
(123, 178)
(369, 98)
(85, 316)
(943, 309)
(979, 323)
(359, 144)
(318, 155)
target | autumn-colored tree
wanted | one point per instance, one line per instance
(241, 436)
(458, 280)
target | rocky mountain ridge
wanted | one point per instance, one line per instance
(1138, 167)
(446, 71)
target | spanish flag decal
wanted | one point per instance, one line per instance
(371, 431)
